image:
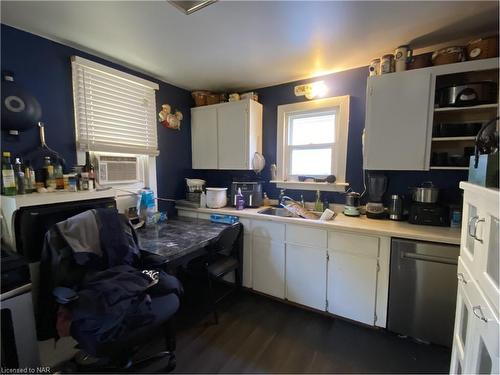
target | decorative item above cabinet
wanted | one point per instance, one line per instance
(226, 135)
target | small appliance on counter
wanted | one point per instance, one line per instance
(251, 190)
(194, 189)
(377, 185)
(424, 209)
(351, 207)
(396, 208)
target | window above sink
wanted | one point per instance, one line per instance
(312, 142)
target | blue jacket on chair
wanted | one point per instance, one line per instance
(114, 293)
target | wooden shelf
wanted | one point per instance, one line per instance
(465, 109)
(450, 168)
(445, 139)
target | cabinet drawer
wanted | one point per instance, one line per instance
(301, 235)
(353, 243)
(204, 216)
(185, 213)
(247, 228)
(268, 229)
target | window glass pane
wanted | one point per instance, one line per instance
(484, 359)
(494, 253)
(463, 323)
(313, 129)
(311, 162)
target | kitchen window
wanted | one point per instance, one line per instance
(312, 142)
(115, 113)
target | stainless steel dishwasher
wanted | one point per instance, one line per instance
(423, 290)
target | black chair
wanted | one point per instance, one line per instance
(117, 355)
(224, 256)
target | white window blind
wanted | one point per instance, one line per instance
(114, 111)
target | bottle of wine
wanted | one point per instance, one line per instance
(89, 168)
(19, 174)
(8, 177)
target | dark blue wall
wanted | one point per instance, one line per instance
(43, 68)
(351, 82)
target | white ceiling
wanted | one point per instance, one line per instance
(248, 44)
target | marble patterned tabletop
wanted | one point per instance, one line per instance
(178, 237)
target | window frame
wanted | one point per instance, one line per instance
(286, 113)
(148, 161)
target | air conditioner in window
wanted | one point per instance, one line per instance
(114, 169)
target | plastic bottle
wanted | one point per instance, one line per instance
(8, 177)
(50, 181)
(318, 206)
(240, 200)
(203, 200)
(147, 208)
(19, 173)
(58, 175)
(29, 177)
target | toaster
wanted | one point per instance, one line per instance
(251, 190)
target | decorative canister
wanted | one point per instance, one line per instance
(387, 64)
(374, 67)
(402, 55)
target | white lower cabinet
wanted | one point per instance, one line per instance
(343, 273)
(268, 266)
(306, 276)
(352, 286)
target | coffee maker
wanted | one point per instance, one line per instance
(376, 185)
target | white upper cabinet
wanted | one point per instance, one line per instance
(397, 121)
(204, 137)
(226, 135)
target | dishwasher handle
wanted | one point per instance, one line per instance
(429, 258)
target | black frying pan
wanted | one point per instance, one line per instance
(20, 110)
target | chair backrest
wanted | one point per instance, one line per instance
(227, 240)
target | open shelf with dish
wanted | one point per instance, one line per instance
(463, 103)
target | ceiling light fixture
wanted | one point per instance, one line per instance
(311, 90)
(188, 7)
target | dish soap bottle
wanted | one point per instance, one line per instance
(318, 206)
(240, 200)
(265, 200)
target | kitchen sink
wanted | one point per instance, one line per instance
(276, 211)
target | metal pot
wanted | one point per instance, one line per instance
(474, 93)
(352, 199)
(426, 193)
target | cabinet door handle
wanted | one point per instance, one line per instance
(478, 312)
(469, 226)
(461, 277)
(475, 229)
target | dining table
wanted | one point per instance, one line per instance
(180, 239)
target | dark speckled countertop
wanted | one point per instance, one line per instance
(178, 238)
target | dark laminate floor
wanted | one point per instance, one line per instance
(257, 334)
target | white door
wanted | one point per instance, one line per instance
(463, 322)
(397, 121)
(204, 138)
(482, 354)
(488, 250)
(233, 135)
(472, 230)
(306, 276)
(268, 266)
(352, 286)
